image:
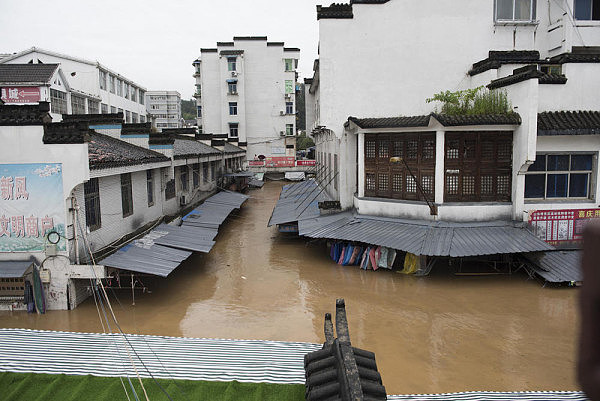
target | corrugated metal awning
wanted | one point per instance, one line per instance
(424, 237)
(557, 266)
(213, 212)
(297, 202)
(14, 269)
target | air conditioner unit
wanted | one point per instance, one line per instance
(182, 200)
(281, 133)
(234, 73)
(281, 113)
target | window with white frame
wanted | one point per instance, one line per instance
(126, 195)
(133, 94)
(104, 108)
(231, 63)
(514, 10)
(126, 90)
(560, 176)
(127, 116)
(232, 87)
(233, 108)
(587, 10)
(150, 186)
(119, 87)
(233, 130)
(142, 118)
(142, 95)
(289, 107)
(134, 117)
(199, 111)
(289, 64)
(112, 83)
(58, 101)
(77, 104)
(289, 129)
(102, 79)
(93, 106)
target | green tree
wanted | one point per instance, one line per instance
(304, 142)
(188, 109)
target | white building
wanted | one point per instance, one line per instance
(164, 107)
(246, 89)
(97, 183)
(403, 52)
(90, 82)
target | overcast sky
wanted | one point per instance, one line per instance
(155, 42)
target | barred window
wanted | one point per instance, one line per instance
(383, 149)
(58, 102)
(370, 181)
(126, 195)
(383, 181)
(429, 149)
(91, 193)
(397, 183)
(370, 149)
(411, 184)
(478, 166)
(412, 149)
(150, 186)
(427, 184)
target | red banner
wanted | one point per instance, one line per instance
(558, 227)
(306, 162)
(20, 94)
(282, 161)
(256, 163)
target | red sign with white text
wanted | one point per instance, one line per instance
(281, 161)
(20, 94)
(558, 227)
(306, 163)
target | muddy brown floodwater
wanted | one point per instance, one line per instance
(441, 333)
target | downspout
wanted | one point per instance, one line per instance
(75, 210)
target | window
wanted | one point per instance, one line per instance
(134, 117)
(232, 88)
(233, 130)
(587, 10)
(289, 64)
(170, 189)
(93, 106)
(199, 111)
(515, 10)
(213, 168)
(233, 108)
(183, 177)
(126, 90)
(58, 102)
(394, 180)
(113, 109)
(205, 171)
(112, 84)
(91, 193)
(133, 94)
(289, 129)
(289, 107)
(554, 69)
(142, 118)
(77, 104)
(119, 87)
(128, 116)
(150, 186)
(102, 79)
(126, 195)
(478, 167)
(231, 63)
(556, 176)
(104, 108)
(142, 95)
(196, 175)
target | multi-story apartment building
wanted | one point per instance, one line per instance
(94, 88)
(246, 90)
(384, 150)
(164, 107)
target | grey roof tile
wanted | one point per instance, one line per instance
(189, 147)
(568, 123)
(27, 73)
(106, 152)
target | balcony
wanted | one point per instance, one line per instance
(198, 95)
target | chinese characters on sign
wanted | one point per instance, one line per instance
(558, 227)
(31, 205)
(20, 94)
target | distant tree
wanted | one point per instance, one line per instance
(300, 109)
(188, 109)
(303, 141)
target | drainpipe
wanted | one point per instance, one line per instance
(75, 209)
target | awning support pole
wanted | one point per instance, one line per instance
(132, 289)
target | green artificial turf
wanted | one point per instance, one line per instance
(38, 387)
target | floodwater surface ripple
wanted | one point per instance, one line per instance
(441, 333)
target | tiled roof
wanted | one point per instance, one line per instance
(229, 148)
(180, 131)
(568, 123)
(66, 133)
(36, 114)
(231, 52)
(337, 11)
(368, 1)
(553, 79)
(106, 152)
(275, 44)
(291, 49)
(391, 122)
(520, 75)
(189, 147)
(161, 139)
(575, 58)
(445, 120)
(223, 44)
(249, 38)
(208, 50)
(497, 58)
(27, 73)
(100, 119)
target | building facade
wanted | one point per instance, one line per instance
(94, 87)
(384, 150)
(246, 90)
(164, 107)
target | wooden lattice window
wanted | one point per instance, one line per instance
(478, 167)
(392, 180)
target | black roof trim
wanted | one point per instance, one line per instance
(519, 75)
(553, 79)
(496, 58)
(225, 44)
(576, 58)
(368, 1)
(113, 118)
(160, 139)
(568, 123)
(136, 128)
(445, 120)
(242, 144)
(206, 137)
(66, 133)
(275, 44)
(231, 52)
(335, 11)
(219, 136)
(36, 114)
(291, 49)
(208, 50)
(308, 81)
(215, 142)
(179, 131)
(232, 139)
(235, 38)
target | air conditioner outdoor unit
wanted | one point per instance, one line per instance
(281, 133)
(281, 112)
(234, 73)
(182, 200)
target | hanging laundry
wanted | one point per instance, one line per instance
(391, 258)
(372, 260)
(383, 257)
(354, 255)
(341, 258)
(365, 259)
(411, 263)
(348, 254)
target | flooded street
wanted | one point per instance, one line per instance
(442, 333)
